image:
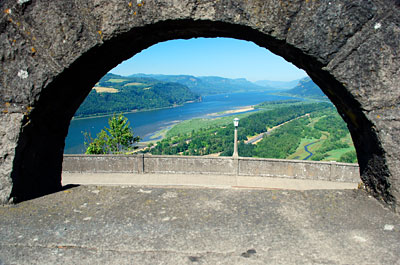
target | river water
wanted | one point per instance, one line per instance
(146, 123)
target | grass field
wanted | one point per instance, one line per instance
(333, 155)
(348, 139)
(134, 84)
(197, 124)
(300, 153)
(269, 105)
(117, 80)
(100, 89)
(316, 146)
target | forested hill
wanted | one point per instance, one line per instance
(114, 93)
(307, 88)
(208, 85)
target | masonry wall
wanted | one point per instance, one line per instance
(140, 164)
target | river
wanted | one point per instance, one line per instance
(310, 154)
(146, 123)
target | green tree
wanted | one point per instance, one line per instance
(349, 157)
(117, 138)
(96, 145)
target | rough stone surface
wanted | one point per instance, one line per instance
(53, 52)
(143, 225)
(8, 144)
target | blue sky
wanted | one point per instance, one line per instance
(223, 57)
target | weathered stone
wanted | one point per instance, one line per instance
(53, 52)
(149, 225)
(219, 166)
(8, 144)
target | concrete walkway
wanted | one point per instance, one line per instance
(149, 225)
(201, 180)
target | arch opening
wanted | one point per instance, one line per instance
(187, 63)
(38, 161)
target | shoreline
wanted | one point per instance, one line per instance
(132, 111)
(161, 134)
(232, 111)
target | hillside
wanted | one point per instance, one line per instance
(209, 85)
(307, 88)
(278, 85)
(114, 93)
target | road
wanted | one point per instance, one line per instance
(255, 139)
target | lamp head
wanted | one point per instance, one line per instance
(236, 122)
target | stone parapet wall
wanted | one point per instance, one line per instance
(189, 164)
(101, 163)
(244, 166)
(299, 169)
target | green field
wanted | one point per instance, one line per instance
(188, 126)
(269, 105)
(114, 80)
(135, 84)
(333, 155)
(300, 153)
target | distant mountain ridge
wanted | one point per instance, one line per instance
(115, 93)
(209, 85)
(307, 88)
(278, 84)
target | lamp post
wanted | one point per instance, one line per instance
(235, 147)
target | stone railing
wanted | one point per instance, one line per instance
(243, 166)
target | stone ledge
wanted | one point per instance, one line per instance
(118, 225)
(297, 169)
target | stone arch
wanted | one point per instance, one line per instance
(53, 52)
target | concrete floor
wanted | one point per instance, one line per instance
(185, 225)
(201, 180)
